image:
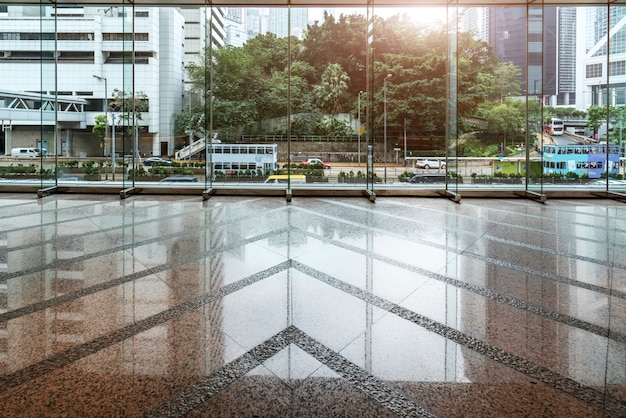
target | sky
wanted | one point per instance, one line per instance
(418, 14)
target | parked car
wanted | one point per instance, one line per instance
(430, 163)
(180, 179)
(70, 178)
(427, 178)
(25, 153)
(315, 161)
(157, 161)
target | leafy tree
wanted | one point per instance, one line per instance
(595, 115)
(249, 83)
(330, 94)
(476, 69)
(506, 81)
(306, 123)
(338, 41)
(100, 127)
(129, 104)
(505, 123)
(618, 123)
(333, 127)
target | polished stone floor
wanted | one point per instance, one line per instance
(320, 307)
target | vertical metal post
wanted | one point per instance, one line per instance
(106, 115)
(385, 125)
(359, 129)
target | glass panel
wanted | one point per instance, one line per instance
(51, 135)
(112, 89)
(537, 90)
(206, 122)
(613, 170)
(452, 93)
(124, 98)
(369, 111)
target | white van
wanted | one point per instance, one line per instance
(25, 153)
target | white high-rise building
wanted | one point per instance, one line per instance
(279, 21)
(594, 45)
(235, 26)
(94, 55)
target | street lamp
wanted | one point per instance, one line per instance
(359, 129)
(385, 125)
(106, 110)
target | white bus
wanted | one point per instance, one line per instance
(237, 157)
(555, 127)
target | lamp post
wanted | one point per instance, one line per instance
(359, 129)
(385, 125)
(106, 113)
(190, 131)
(404, 141)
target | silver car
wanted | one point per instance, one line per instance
(430, 163)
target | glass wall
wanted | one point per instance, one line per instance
(396, 100)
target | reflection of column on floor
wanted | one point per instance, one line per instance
(369, 287)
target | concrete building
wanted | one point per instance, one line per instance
(94, 42)
(235, 26)
(602, 80)
(93, 48)
(278, 21)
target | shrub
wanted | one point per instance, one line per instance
(90, 167)
(571, 175)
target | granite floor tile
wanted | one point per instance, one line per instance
(320, 307)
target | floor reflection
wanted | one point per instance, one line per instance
(318, 307)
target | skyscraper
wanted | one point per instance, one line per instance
(600, 26)
(278, 21)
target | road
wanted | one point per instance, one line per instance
(465, 168)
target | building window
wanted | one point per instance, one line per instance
(75, 36)
(26, 36)
(124, 37)
(594, 70)
(617, 68)
(119, 57)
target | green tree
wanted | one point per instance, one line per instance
(330, 94)
(595, 116)
(331, 126)
(250, 83)
(128, 106)
(506, 81)
(131, 108)
(618, 124)
(505, 123)
(100, 127)
(337, 41)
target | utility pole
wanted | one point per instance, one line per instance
(385, 125)
(359, 130)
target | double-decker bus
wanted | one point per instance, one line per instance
(237, 157)
(555, 127)
(590, 160)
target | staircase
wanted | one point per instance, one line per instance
(194, 148)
